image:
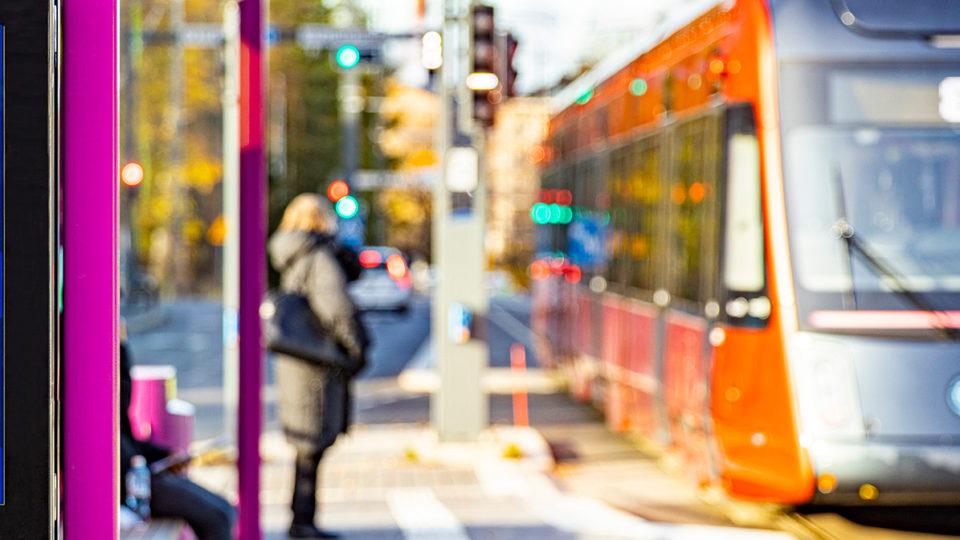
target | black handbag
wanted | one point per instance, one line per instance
(290, 327)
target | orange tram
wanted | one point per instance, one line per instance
(759, 265)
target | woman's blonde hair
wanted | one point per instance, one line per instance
(308, 212)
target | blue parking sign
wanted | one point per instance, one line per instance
(587, 242)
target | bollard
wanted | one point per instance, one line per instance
(518, 366)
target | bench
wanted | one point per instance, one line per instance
(156, 415)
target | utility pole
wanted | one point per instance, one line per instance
(350, 94)
(177, 95)
(459, 409)
(128, 250)
(231, 215)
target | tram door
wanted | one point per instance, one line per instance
(28, 309)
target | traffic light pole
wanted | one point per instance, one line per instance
(351, 105)
(459, 408)
(231, 216)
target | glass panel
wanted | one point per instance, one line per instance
(886, 175)
(619, 238)
(887, 16)
(645, 203)
(692, 207)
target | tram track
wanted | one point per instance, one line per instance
(803, 528)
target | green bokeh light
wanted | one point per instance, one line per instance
(638, 87)
(540, 213)
(585, 98)
(347, 207)
(348, 56)
(555, 212)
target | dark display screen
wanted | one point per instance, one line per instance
(28, 203)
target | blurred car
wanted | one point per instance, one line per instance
(385, 284)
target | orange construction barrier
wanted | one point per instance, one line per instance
(518, 365)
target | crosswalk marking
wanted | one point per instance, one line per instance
(585, 516)
(421, 516)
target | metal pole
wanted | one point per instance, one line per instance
(351, 105)
(253, 233)
(175, 113)
(231, 215)
(90, 218)
(350, 94)
(129, 92)
(459, 408)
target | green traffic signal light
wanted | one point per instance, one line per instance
(347, 207)
(553, 214)
(348, 56)
(540, 213)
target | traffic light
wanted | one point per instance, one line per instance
(347, 207)
(553, 208)
(483, 79)
(431, 52)
(337, 190)
(347, 56)
(506, 50)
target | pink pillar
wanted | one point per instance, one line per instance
(89, 226)
(253, 196)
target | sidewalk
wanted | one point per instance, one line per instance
(398, 481)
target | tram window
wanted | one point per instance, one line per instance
(619, 237)
(744, 270)
(692, 219)
(743, 242)
(645, 202)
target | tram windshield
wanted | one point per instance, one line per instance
(874, 154)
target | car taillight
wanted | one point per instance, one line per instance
(370, 258)
(396, 267)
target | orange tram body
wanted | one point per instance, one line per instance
(709, 289)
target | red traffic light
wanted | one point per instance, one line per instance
(337, 190)
(132, 174)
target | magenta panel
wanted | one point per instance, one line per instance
(89, 226)
(253, 266)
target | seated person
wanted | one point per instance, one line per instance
(171, 494)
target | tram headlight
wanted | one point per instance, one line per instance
(953, 395)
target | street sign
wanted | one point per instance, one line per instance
(365, 180)
(463, 169)
(308, 36)
(352, 232)
(459, 323)
(202, 35)
(317, 36)
(587, 242)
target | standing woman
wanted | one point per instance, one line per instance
(314, 398)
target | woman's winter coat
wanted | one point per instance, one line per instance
(314, 401)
